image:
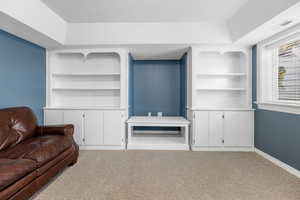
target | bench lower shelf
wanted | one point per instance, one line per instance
(158, 142)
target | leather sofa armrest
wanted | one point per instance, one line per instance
(67, 130)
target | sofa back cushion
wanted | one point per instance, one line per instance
(16, 125)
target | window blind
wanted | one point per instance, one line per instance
(288, 71)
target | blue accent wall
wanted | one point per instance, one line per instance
(156, 86)
(22, 74)
(276, 133)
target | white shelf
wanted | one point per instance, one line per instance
(84, 108)
(157, 140)
(158, 120)
(83, 89)
(221, 89)
(222, 109)
(222, 74)
(70, 74)
(220, 80)
(86, 78)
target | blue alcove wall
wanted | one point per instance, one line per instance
(157, 86)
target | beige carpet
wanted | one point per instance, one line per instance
(172, 175)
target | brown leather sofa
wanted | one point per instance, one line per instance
(30, 155)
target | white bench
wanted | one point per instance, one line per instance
(158, 141)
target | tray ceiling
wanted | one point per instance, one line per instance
(91, 11)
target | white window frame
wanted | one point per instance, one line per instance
(265, 73)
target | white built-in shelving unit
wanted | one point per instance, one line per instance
(86, 78)
(220, 78)
(88, 88)
(219, 98)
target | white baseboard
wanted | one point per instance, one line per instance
(102, 147)
(279, 163)
(228, 149)
(158, 147)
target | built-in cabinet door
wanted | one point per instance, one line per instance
(112, 127)
(53, 117)
(201, 128)
(238, 129)
(216, 129)
(93, 128)
(75, 118)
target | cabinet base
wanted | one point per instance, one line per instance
(234, 149)
(157, 147)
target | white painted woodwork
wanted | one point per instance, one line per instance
(75, 118)
(157, 141)
(93, 128)
(87, 78)
(238, 130)
(223, 130)
(53, 117)
(89, 88)
(201, 128)
(216, 129)
(112, 125)
(93, 83)
(279, 163)
(223, 148)
(164, 121)
(219, 78)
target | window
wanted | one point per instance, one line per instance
(288, 72)
(278, 78)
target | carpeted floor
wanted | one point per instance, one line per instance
(172, 175)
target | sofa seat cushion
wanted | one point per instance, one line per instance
(40, 149)
(12, 170)
(20, 150)
(50, 147)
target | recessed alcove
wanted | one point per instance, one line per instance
(157, 86)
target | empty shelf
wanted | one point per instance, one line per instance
(157, 139)
(222, 74)
(88, 89)
(222, 89)
(70, 74)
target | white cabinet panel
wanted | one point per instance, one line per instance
(53, 117)
(75, 118)
(238, 129)
(215, 129)
(112, 128)
(201, 128)
(93, 128)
